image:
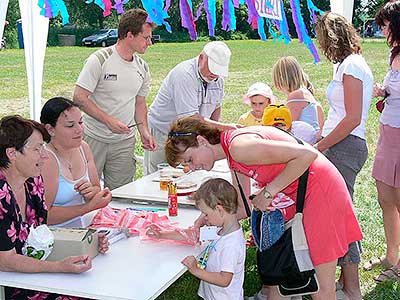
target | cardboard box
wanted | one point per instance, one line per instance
(73, 241)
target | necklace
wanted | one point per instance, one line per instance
(202, 262)
(65, 162)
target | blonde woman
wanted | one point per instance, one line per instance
(289, 77)
(343, 135)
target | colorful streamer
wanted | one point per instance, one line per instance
(210, 8)
(97, 2)
(187, 21)
(302, 30)
(283, 26)
(119, 6)
(228, 16)
(157, 12)
(261, 30)
(51, 8)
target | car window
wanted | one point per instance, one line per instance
(102, 31)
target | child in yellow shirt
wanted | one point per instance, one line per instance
(259, 96)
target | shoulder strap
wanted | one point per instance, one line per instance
(301, 189)
(246, 205)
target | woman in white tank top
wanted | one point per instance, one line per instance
(72, 186)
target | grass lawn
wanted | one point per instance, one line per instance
(251, 61)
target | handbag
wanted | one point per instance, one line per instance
(380, 105)
(287, 262)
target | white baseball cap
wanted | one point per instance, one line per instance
(259, 88)
(219, 56)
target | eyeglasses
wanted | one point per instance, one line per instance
(148, 38)
(180, 133)
(41, 149)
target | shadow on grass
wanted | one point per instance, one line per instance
(384, 291)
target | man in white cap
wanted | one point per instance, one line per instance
(193, 87)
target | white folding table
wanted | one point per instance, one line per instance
(131, 269)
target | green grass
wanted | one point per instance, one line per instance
(251, 61)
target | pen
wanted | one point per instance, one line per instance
(133, 125)
(152, 209)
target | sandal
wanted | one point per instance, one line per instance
(377, 262)
(392, 273)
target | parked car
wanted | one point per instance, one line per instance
(105, 37)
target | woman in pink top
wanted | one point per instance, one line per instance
(275, 160)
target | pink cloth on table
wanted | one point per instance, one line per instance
(137, 222)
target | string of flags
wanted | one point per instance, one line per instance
(260, 13)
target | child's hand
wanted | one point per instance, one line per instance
(153, 232)
(191, 263)
(103, 243)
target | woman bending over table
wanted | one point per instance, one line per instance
(275, 160)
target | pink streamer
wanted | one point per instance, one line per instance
(138, 222)
(107, 7)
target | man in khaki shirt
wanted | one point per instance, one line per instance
(111, 90)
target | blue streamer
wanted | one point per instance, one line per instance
(304, 33)
(283, 26)
(261, 31)
(232, 16)
(156, 12)
(271, 30)
(97, 2)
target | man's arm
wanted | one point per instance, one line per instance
(148, 141)
(81, 98)
(216, 115)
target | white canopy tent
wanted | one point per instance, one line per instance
(35, 29)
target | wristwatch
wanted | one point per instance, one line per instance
(267, 194)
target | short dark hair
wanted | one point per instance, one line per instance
(132, 21)
(14, 133)
(53, 108)
(217, 191)
(390, 12)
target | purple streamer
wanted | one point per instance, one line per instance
(47, 9)
(296, 20)
(226, 18)
(236, 3)
(119, 6)
(187, 19)
(252, 11)
(198, 12)
(167, 5)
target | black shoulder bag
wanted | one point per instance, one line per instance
(278, 265)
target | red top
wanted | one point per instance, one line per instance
(329, 219)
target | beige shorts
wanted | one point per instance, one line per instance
(115, 161)
(153, 158)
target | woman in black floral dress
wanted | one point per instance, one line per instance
(22, 204)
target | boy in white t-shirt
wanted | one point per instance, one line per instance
(221, 266)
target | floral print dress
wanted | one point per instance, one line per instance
(14, 230)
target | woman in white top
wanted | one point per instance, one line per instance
(386, 169)
(72, 186)
(289, 77)
(343, 135)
